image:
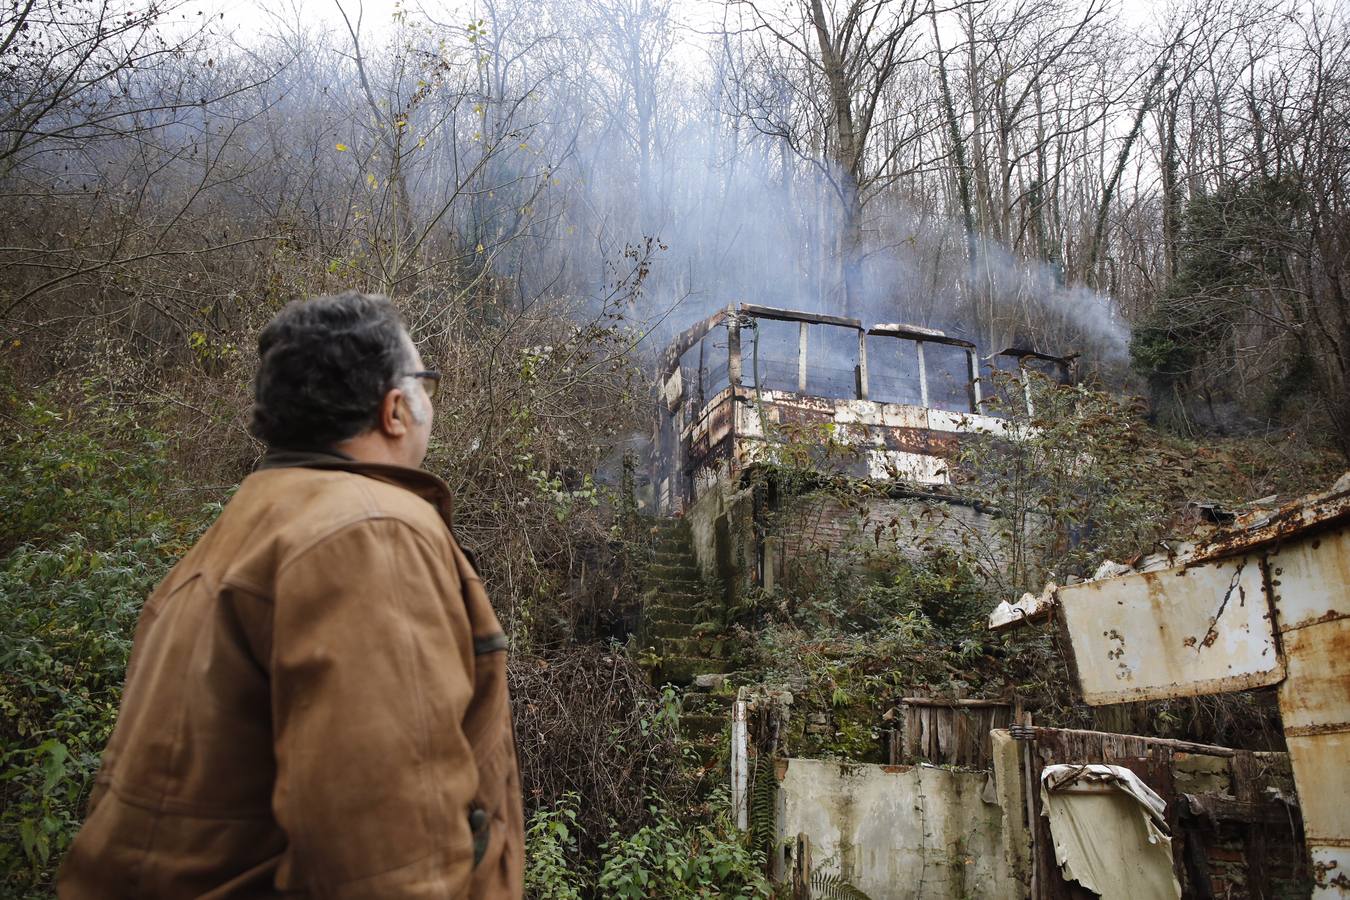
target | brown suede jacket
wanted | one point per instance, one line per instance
(316, 706)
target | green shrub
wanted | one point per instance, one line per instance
(91, 470)
(665, 858)
(86, 541)
(552, 870)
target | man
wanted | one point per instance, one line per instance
(316, 704)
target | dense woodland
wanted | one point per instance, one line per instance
(549, 191)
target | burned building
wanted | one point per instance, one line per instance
(890, 403)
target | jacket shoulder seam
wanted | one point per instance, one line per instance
(366, 518)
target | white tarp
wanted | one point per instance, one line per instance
(1109, 832)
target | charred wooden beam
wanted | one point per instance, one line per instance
(1219, 808)
(794, 315)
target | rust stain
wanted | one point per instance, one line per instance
(1320, 728)
(904, 440)
(1330, 615)
(1323, 877)
(804, 414)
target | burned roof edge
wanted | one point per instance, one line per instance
(796, 315)
(689, 337)
(918, 333)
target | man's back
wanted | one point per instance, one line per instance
(316, 703)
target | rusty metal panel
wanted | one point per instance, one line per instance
(1320, 762)
(1310, 579)
(1175, 633)
(1292, 520)
(1317, 693)
(896, 415)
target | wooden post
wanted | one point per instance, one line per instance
(1246, 772)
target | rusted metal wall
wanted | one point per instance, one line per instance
(1179, 632)
(1310, 580)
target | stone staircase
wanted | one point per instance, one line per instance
(682, 614)
(705, 719)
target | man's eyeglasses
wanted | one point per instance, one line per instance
(430, 381)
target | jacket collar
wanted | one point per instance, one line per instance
(419, 481)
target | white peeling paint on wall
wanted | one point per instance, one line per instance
(898, 832)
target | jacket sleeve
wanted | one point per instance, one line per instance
(372, 671)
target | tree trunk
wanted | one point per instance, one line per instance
(848, 158)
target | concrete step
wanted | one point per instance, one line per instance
(667, 528)
(686, 594)
(699, 703)
(691, 647)
(702, 726)
(710, 754)
(660, 612)
(669, 629)
(683, 560)
(708, 630)
(680, 670)
(670, 573)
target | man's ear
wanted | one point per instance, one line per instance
(394, 414)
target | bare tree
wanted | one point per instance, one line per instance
(854, 50)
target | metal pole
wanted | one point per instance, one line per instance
(733, 349)
(923, 376)
(862, 364)
(975, 399)
(801, 358)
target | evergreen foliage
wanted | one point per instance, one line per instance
(1237, 246)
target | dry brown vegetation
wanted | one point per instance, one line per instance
(546, 190)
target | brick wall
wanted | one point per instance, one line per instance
(822, 524)
(1265, 860)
